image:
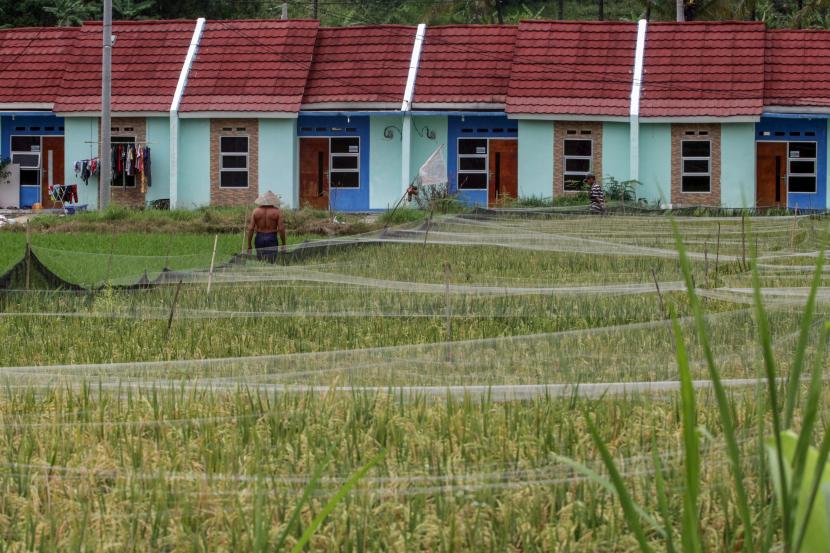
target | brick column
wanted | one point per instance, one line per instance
(234, 127)
(680, 132)
(136, 127)
(563, 130)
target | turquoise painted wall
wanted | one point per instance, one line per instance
(535, 159)
(615, 151)
(81, 142)
(277, 159)
(158, 137)
(384, 162)
(655, 162)
(422, 147)
(737, 176)
(194, 163)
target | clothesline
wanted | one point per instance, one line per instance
(116, 143)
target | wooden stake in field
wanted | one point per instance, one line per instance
(212, 262)
(659, 295)
(717, 255)
(743, 242)
(448, 310)
(429, 224)
(793, 230)
(172, 311)
(109, 261)
(706, 264)
(28, 253)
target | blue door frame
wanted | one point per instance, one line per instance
(490, 126)
(800, 129)
(27, 124)
(343, 199)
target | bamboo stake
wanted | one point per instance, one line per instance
(659, 294)
(212, 262)
(28, 253)
(448, 310)
(717, 256)
(743, 242)
(429, 224)
(172, 311)
(706, 264)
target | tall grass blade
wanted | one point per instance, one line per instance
(295, 515)
(765, 337)
(662, 497)
(691, 442)
(335, 500)
(724, 410)
(630, 510)
(803, 338)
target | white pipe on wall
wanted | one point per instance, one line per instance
(634, 111)
(406, 105)
(174, 110)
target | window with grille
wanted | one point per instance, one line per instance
(344, 162)
(801, 159)
(577, 161)
(696, 166)
(472, 163)
(233, 161)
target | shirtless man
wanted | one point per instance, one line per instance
(266, 222)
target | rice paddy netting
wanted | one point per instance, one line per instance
(471, 349)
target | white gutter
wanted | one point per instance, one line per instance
(406, 105)
(174, 110)
(634, 113)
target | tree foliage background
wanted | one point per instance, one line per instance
(776, 13)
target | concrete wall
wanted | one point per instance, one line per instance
(615, 151)
(384, 162)
(81, 142)
(655, 162)
(278, 158)
(194, 163)
(535, 159)
(158, 138)
(737, 180)
(423, 147)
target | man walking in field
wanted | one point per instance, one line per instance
(596, 195)
(266, 222)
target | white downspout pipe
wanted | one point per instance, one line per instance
(174, 110)
(406, 105)
(634, 113)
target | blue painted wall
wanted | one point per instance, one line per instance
(783, 127)
(385, 162)
(343, 199)
(28, 125)
(474, 127)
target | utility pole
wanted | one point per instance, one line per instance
(105, 156)
(499, 12)
(681, 10)
(285, 10)
(313, 9)
(600, 10)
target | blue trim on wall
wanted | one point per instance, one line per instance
(786, 126)
(474, 127)
(342, 199)
(9, 123)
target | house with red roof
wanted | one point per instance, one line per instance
(719, 114)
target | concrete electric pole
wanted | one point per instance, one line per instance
(105, 157)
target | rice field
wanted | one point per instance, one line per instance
(473, 353)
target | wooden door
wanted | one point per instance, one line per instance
(314, 173)
(771, 174)
(51, 163)
(504, 170)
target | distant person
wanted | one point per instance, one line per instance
(596, 195)
(266, 222)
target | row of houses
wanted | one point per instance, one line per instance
(714, 113)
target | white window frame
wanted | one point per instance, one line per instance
(112, 172)
(247, 155)
(565, 159)
(332, 170)
(485, 156)
(39, 167)
(684, 173)
(814, 174)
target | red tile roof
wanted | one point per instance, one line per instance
(366, 64)
(703, 69)
(797, 69)
(573, 68)
(468, 64)
(147, 59)
(32, 62)
(251, 66)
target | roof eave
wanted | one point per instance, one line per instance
(9, 106)
(494, 106)
(347, 106)
(702, 119)
(797, 109)
(237, 114)
(569, 117)
(159, 113)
